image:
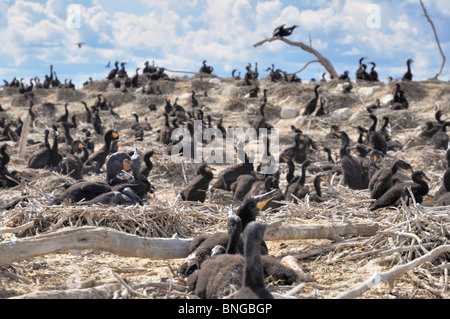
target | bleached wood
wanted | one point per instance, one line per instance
(390, 276)
(126, 245)
(80, 238)
(101, 292)
(333, 231)
(324, 61)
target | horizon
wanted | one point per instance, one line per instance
(180, 35)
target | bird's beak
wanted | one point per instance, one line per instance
(115, 135)
(337, 134)
(262, 200)
(426, 177)
(156, 154)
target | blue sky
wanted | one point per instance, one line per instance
(178, 35)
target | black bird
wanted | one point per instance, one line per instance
(317, 197)
(220, 273)
(139, 184)
(375, 139)
(148, 163)
(393, 196)
(230, 175)
(408, 76)
(260, 121)
(311, 106)
(299, 151)
(445, 186)
(65, 116)
(321, 110)
(441, 139)
(206, 69)
(7, 179)
(344, 76)
(253, 284)
(126, 197)
(137, 128)
(196, 190)
(296, 188)
(382, 180)
(373, 74)
(71, 164)
(117, 162)
(351, 167)
(433, 127)
(281, 31)
(243, 185)
(112, 74)
(41, 157)
(201, 246)
(135, 79)
(399, 102)
(100, 155)
(80, 44)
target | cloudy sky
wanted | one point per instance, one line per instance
(179, 35)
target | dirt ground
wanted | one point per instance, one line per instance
(335, 268)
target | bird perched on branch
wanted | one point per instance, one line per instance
(281, 31)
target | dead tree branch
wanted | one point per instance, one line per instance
(390, 276)
(437, 39)
(127, 245)
(324, 61)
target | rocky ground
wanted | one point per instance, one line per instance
(333, 268)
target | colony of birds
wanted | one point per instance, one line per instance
(349, 151)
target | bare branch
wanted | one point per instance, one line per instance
(324, 61)
(306, 65)
(437, 39)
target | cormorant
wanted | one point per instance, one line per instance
(393, 196)
(311, 106)
(299, 151)
(373, 74)
(112, 74)
(281, 31)
(296, 188)
(139, 184)
(228, 176)
(100, 155)
(408, 76)
(441, 139)
(196, 190)
(206, 69)
(135, 79)
(253, 284)
(375, 139)
(381, 181)
(351, 167)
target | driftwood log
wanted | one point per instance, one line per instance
(100, 292)
(126, 245)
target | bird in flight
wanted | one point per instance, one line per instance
(80, 44)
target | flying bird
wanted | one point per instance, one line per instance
(80, 44)
(281, 31)
(108, 65)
